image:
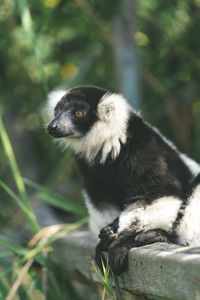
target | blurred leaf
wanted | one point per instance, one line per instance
(27, 24)
(51, 3)
(13, 247)
(55, 199)
(23, 200)
(18, 281)
(27, 212)
(104, 282)
(141, 39)
(3, 290)
(68, 71)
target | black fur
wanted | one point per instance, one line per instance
(147, 168)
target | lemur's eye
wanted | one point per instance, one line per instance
(78, 113)
(56, 112)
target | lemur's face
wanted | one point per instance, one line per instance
(91, 120)
(76, 112)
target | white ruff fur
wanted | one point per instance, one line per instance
(160, 214)
(99, 218)
(108, 131)
(189, 228)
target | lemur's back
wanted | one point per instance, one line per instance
(146, 168)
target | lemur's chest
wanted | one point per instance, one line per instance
(104, 185)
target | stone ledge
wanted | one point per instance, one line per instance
(159, 270)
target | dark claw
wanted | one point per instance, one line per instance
(118, 259)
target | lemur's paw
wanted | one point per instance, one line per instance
(107, 233)
(152, 236)
(118, 259)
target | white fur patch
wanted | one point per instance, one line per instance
(107, 133)
(193, 166)
(189, 228)
(53, 98)
(99, 218)
(168, 142)
(160, 214)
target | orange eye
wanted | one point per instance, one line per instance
(56, 112)
(78, 113)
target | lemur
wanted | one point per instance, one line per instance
(138, 188)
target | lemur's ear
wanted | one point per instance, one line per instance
(106, 110)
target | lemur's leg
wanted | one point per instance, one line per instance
(187, 226)
(118, 250)
(153, 220)
(107, 235)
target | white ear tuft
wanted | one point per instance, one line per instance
(53, 99)
(108, 132)
(105, 111)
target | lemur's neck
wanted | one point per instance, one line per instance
(108, 133)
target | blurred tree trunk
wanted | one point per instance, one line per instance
(126, 57)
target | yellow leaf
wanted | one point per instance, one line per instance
(68, 71)
(141, 39)
(51, 3)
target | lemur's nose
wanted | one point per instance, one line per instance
(52, 128)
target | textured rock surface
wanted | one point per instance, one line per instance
(158, 270)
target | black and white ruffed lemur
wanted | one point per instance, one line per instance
(138, 188)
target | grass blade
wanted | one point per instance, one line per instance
(52, 234)
(68, 229)
(12, 162)
(17, 176)
(19, 279)
(117, 287)
(14, 248)
(4, 254)
(28, 28)
(55, 199)
(27, 212)
(104, 282)
(3, 290)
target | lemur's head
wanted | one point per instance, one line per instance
(90, 119)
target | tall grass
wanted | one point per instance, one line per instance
(39, 246)
(108, 280)
(19, 261)
(22, 200)
(28, 28)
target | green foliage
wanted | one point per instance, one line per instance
(23, 200)
(42, 240)
(49, 44)
(55, 199)
(108, 279)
